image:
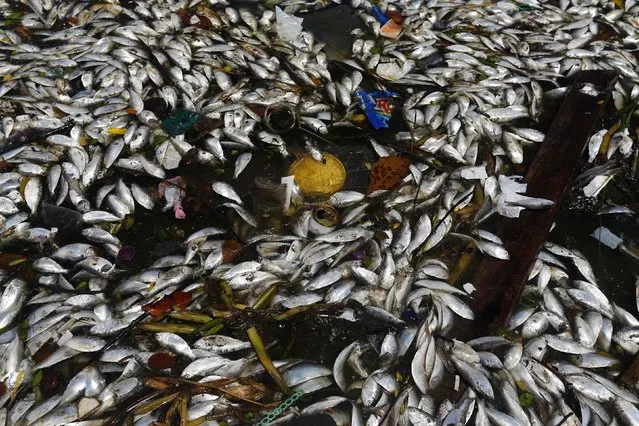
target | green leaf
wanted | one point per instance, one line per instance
(159, 138)
(526, 400)
(37, 379)
(128, 222)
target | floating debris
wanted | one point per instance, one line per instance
(126, 253)
(389, 28)
(319, 178)
(607, 237)
(377, 105)
(179, 122)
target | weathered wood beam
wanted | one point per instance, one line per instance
(500, 283)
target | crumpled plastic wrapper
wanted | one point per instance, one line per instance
(288, 26)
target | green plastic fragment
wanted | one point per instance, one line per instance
(179, 122)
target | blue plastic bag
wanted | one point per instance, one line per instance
(378, 106)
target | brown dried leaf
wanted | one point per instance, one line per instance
(161, 360)
(605, 144)
(388, 172)
(230, 249)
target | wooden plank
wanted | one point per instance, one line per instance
(500, 283)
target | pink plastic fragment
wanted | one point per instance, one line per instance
(173, 191)
(179, 212)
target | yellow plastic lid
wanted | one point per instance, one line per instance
(317, 178)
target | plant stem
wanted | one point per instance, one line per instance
(260, 350)
(265, 297)
(171, 328)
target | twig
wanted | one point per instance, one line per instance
(262, 355)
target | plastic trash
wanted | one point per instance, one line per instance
(606, 237)
(126, 253)
(271, 197)
(173, 190)
(288, 26)
(291, 189)
(180, 121)
(378, 106)
(66, 220)
(319, 178)
(280, 117)
(323, 220)
(390, 28)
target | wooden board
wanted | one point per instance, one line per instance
(500, 283)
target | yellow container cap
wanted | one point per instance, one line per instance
(317, 178)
